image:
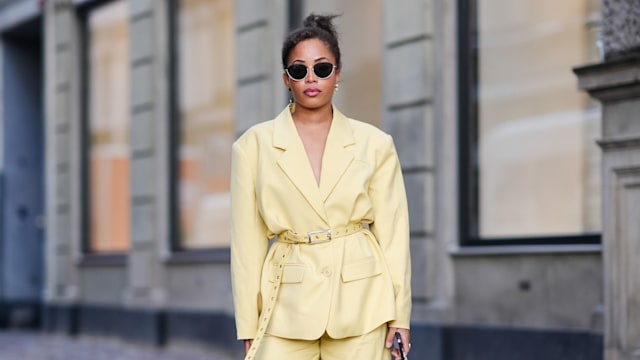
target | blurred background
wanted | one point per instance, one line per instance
(117, 119)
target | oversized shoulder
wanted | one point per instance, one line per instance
(254, 136)
(366, 131)
(371, 136)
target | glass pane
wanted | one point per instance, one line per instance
(206, 104)
(538, 160)
(108, 31)
(360, 93)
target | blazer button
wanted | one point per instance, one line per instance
(326, 272)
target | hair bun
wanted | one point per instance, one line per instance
(324, 22)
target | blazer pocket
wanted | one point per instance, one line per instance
(293, 273)
(367, 267)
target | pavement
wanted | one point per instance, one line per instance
(30, 345)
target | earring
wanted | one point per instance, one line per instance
(337, 87)
(292, 104)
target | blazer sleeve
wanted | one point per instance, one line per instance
(391, 227)
(249, 243)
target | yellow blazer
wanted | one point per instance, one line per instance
(348, 286)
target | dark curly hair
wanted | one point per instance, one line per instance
(314, 27)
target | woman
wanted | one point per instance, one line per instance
(335, 284)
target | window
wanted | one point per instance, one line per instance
(107, 40)
(529, 161)
(360, 90)
(205, 85)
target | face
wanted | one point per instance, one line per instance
(312, 92)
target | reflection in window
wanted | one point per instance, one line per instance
(538, 161)
(206, 103)
(360, 31)
(108, 39)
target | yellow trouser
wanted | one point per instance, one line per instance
(369, 346)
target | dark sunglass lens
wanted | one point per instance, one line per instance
(297, 72)
(323, 70)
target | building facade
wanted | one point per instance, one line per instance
(118, 118)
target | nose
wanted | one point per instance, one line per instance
(311, 76)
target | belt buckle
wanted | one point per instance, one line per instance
(321, 231)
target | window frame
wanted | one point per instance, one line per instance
(468, 165)
(180, 253)
(89, 256)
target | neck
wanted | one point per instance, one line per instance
(313, 116)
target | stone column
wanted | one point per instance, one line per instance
(145, 295)
(413, 113)
(260, 29)
(63, 160)
(616, 83)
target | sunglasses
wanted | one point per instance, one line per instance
(298, 72)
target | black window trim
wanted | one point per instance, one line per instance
(468, 186)
(180, 254)
(89, 257)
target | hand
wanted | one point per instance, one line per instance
(247, 345)
(406, 345)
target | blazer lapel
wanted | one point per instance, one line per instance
(338, 153)
(294, 161)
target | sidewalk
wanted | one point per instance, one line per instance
(17, 345)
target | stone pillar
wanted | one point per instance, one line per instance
(63, 159)
(149, 153)
(412, 104)
(260, 29)
(616, 83)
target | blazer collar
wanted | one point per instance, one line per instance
(337, 156)
(285, 131)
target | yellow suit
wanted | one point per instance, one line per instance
(347, 286)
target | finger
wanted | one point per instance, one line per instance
(395, 354)
(247, 345)
(406, 340)
(389, 340)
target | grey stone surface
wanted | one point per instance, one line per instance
(140, 268)
(142, 131)
(252, 105)
(413, 135)
(141, 173)
(63, 27)
(208, 281)
(102, 285)
(38, 346)
(62, 61)
(63, 234)
(142, 85)
(62, 106)
(62, 185)
(142, 222)
(407, 19)
(616, 85)
(251, 11)
(140, 30)
(140, 7)
(62, 148)
(424, 268)
(623, 118)
(407, 76)
(251, 46)
(420, 190)
(539, 291)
